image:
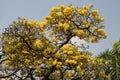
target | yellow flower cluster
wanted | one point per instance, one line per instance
(38, 43)
(95, 13)
(65, 47)
(72, 62)
(56, 63)
(83, 10)
(64, 18)
(68, 11)
(101, 32)
(64, 26)
(57, 55)
(78, 32)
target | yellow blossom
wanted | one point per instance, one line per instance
(62, 7)
(25, 52)
(82, 11)
(59, 64)
(50, 33)
(54, 39)
(85, 7)
(65, 47)
(54, 62)
(13, 56)
(70, 52)
(90, 5)
(94, 39)
(38, 43)
(59, 14)
(66, 26)
(101, 32)
(72, 62)
(101, 19)
(54, 9)
(82, 72)
(95, 13)
(107, 63)
(27, 61)
(101, 60)
(57, 55)
(48, 17)
(78, 68)
(68, 11)
(78, 32)
(43, 25)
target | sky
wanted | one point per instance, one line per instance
(10, 10)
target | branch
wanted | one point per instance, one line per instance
(9, 74)
(30, 73)
(48, 74)
(53, 67)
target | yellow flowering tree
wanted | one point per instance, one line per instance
(43, 50)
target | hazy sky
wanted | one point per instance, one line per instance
(10, 10)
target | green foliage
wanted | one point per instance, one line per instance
(113, 57)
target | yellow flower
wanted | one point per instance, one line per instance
(54, 9)
(95, 13)
(107, 63)
(59, 14)
(82, 72)
(57, 55)
(62, 7)
(37, 62)
(13, 56)
(90, 5)
(25, 52)
(101, 60)
(72, 62)
(76, 57)
(59, 64)
(32, 23)
(43, 25)
(85, 7)
(68, 11)
(101, 32)
(101, 19)
(84, 22)
(27, 61)
(83, 12)
(66, 26)
(50, 33)
(54, 62)
(70, 52)
(107, 77)
(66, 61)
(95, 28)
(38, 43)
(78, 68)
(102, 73)
(65, 47)
(54, 39)
(48, 17)
(94, 39)
(78, 32)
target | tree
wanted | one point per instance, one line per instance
(112, 58)
(43, 50)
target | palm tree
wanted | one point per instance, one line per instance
(113, 57)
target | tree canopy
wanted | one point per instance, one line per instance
(43, 50)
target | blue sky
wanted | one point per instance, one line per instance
(10, 10)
